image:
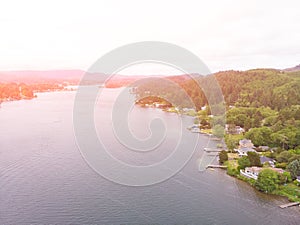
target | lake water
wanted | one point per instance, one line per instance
(45, 180)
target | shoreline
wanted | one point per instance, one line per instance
(35, 95)
(278, 199)
(251, 183)
(238, 177)
(278, 192)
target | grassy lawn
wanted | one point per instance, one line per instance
(290, 190)
(233, 163)
(232, 156)
(206, 131)
(232, 167)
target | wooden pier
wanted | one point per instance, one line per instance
(216, 166)
(289, 205)
(212, 149)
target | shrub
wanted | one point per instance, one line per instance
(223, 156)
(267, 181)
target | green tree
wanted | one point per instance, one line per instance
(267, 180)
(223, 156)
(231, 128)
(247, 124)
(232, 141)
(218, 131)
(287, 137)
(294, 157)
(271, 120)
(281, 165)
(284, 177)
(243, 162)
(254, 159)
(294, 168)
(241, 120)
(259, 136)
(284, 157)
(279, 139)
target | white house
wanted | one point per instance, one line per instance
(252, 172)
(245, 146)
(234, 130)
(246, 143)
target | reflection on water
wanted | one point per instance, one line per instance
(44, 179)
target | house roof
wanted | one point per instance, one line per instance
(253, 169)
(263, 146)
(245, 149)
(245, 141)
(264, 159)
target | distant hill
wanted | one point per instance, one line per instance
(125, 80)
(49, 76)
(70, 76)
(41, 76)
(73, 77)
(293, 69)
(253, 88)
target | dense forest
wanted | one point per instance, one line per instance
(18, 91)
(265, 102)
(260, 87)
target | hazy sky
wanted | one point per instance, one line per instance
(224, 34)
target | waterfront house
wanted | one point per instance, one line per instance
(263, 148)
(232, 129)
(264, 159)
(245, 146)
(239, 130)
(253, 172)
(246, 143)
(243, 151)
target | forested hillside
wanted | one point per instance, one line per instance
(254, 88)
(265, 102)
(18, 91)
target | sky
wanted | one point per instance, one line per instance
(228, 34)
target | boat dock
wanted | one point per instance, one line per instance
(216, 166)
(289, 205)
(212, 149)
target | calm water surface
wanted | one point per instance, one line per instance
(44, 179)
